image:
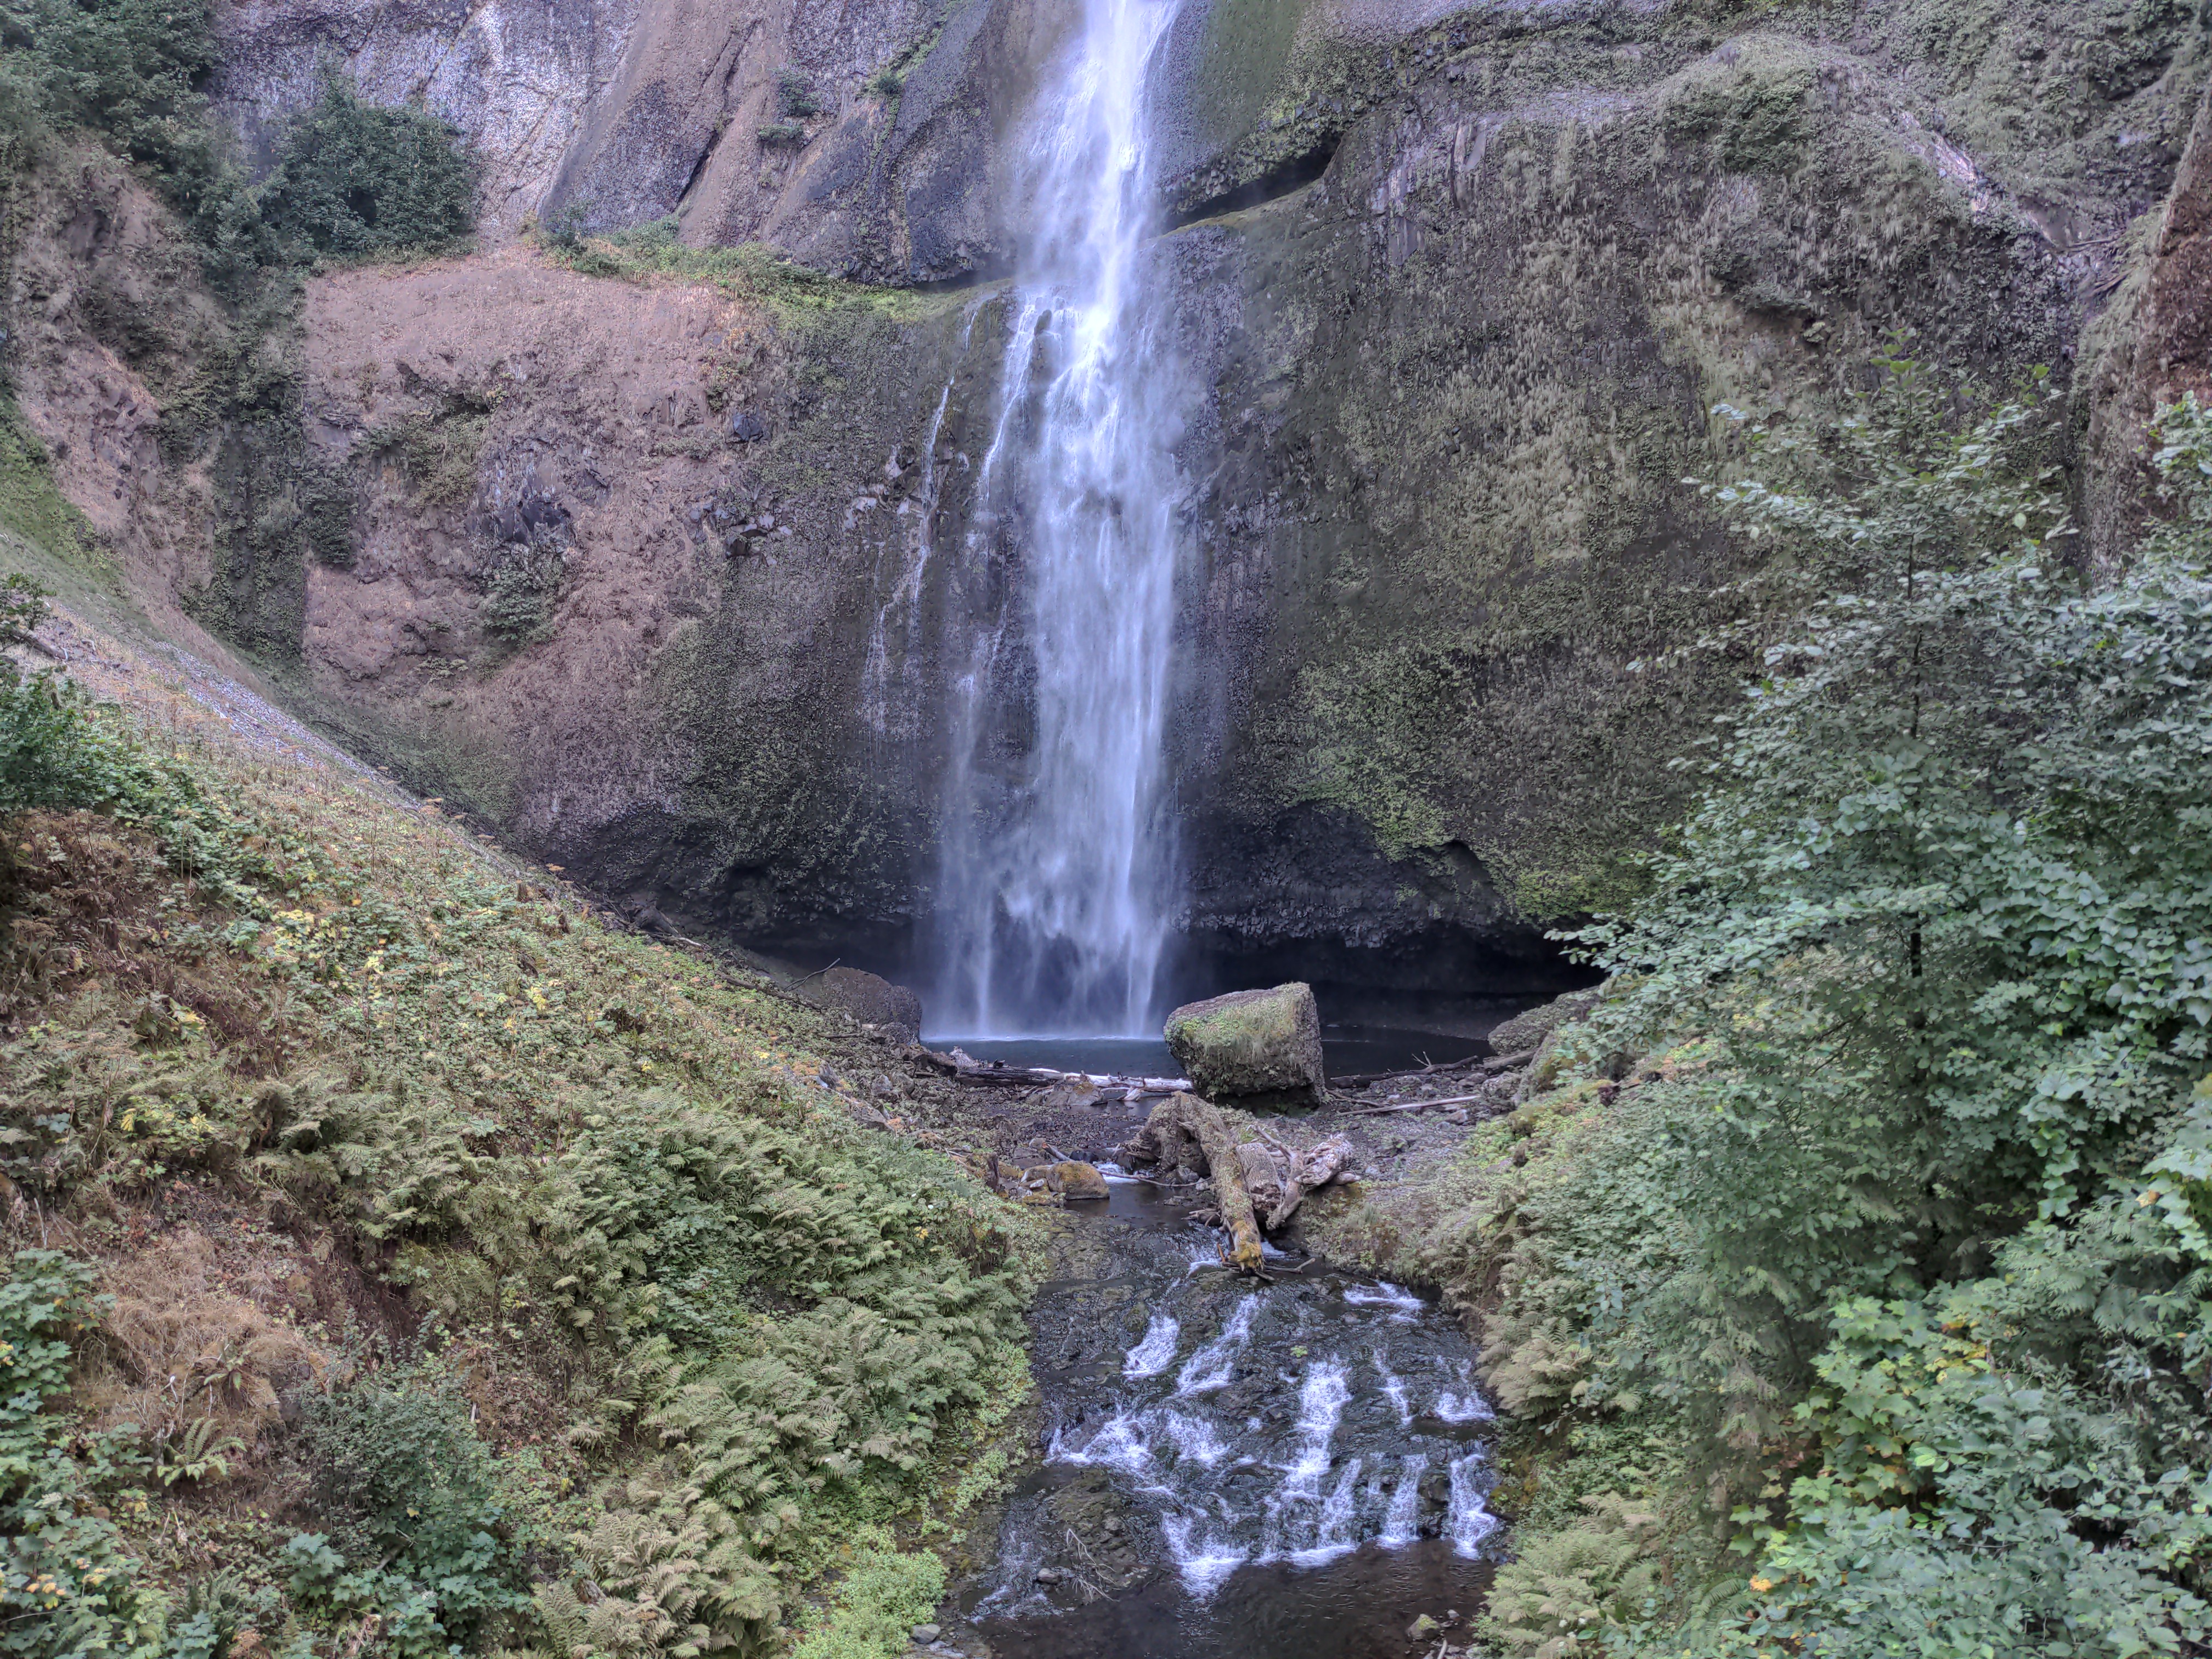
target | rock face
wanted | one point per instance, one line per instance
(872, 999)
(656, 577)
(863, 137)
(1253, 1046)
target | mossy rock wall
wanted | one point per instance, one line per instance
(1448, 554)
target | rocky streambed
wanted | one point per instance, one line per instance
(1232, 1468)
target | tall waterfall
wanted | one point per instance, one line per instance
(1056, 877)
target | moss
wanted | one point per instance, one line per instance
(33, 507)
(792, 294)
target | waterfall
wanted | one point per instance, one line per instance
(1055, 884)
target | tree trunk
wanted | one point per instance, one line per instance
(1187, 1134)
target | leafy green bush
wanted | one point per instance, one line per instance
(68, 1586)
(518, 598)
(130, 69)
(1875, 1190)
(354, 180)
(413, 1490)
(795, 97)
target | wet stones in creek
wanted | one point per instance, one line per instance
(1253, 1049)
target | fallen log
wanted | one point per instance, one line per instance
(1187, 1134)
(1490, 1066)
(1418, 1105)
(965, 1070)
(1278, 1177)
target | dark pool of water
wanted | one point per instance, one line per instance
(1348, 1051)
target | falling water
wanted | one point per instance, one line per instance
(1053, 893)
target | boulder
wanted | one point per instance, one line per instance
(893, 1010)
(1074, 1181)
(1526, 1031)
(1070, 1094)
(1256, 1048)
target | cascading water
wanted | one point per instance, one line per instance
(1053, 888)
(1231, 1470)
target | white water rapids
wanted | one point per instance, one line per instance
(1053, 889)
(1284, 1427)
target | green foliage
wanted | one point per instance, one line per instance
(1873, 1193)
(882, 1597)
(1560, 1594)
(356, 180)
(130, 69)
(520, 596)
(68, 1586)
(795, 96)
(828, 1307)
(887, 82)
(30, 505)
(754, 1329)
(439, 451)
(412, 1491)
(753, 270)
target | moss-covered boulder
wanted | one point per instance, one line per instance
(1256, 1047)
(872, 999)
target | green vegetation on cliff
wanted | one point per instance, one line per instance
(405, 1262)
(1848, 1268)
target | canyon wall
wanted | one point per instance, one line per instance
(649, 570)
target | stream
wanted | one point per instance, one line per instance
(1232, 1470)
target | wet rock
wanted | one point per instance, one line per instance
(1074, 1181)
(1049, 1575)
(1422, 1628)
(1252, 1047)
(871, 998)
(923, 1635)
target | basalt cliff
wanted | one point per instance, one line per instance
(632, 532)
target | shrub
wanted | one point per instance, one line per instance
(1892, 1238)
(354, 180)
(413, 1490)
(68, 1586)
(795, 97)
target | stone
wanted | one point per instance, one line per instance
(1074, 1181)
(871, 998)
(1048, 1575)
(923, 1635)
(1525, 1032)
(1422, 1628)
(747, 427)
(1069, 1093)
(1252, 1047)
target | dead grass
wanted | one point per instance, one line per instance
(177, 1349)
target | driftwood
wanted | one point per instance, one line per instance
(1257, 1183)
(967, 1069)
(1278, 1177)
(1419, 1105)
(1186, 1133)
(1491, 1065)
